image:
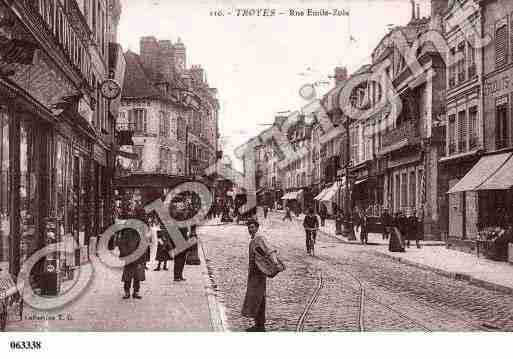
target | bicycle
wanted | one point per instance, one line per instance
(311, 234)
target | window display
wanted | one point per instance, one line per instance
(4, 189)
(28, 185)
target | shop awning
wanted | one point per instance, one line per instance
(330, 194)
(481, 173)
(293, 195)
(362, 181)
(287, 195)
(320, 195)
(501, 179)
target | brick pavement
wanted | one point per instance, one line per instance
(436, 257)
(165, 306)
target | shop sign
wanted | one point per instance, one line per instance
(362, 174)
(99, 155)
(403, 160)
(499, 84)
(84, 110)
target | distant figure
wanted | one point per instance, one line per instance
(311, 225)
(323, 213)
(163, 247)
(266, 210)
(396, 241)
(413, 225)
(364, 236)
(385, 222)
(180, 259)
(287, 214)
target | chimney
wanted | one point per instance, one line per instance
(438, 7)
(418, 11)
(166, 67)
(179, 55)
(412, 10)
(149, 54)
(198, 74)
(114, 12)
(340, 75)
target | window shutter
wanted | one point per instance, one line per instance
(144, 121)
(501, 44)
(511, 30)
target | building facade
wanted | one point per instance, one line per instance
(57, 130)
(170, 134)
(463, 123)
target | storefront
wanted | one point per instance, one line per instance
(48, 191)
(403, 182)
(485, 195)
(330, 197)
(362, 193)
(294, 200)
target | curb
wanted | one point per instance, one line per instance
(452, 275)
(218, 318)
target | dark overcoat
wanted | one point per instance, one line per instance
(163, 248)
(128, 241)
(257, 281)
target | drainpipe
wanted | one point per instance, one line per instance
(481, 9)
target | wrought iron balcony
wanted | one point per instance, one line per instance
(406, 134)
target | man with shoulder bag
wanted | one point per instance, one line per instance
(263, 262)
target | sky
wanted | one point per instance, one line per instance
(258, 64)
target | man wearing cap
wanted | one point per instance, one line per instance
(254, 301)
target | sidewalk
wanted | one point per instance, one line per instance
(434, 256)
(166, 305)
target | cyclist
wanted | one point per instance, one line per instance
(311, 225)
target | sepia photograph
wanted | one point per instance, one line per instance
(255, 166)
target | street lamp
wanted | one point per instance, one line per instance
(348, 202)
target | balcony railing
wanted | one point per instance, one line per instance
(407, 131)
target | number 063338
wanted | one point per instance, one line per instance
(25, 345)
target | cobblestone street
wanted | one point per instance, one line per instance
(396, 296)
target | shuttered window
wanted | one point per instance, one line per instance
(501, 45)
(413, 190)
(452, 134)
(404, 190)
(511, 31)
(462, 131)
(472, 121)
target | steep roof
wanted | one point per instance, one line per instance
(137, 84)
